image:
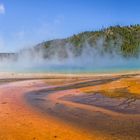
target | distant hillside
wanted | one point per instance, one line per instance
(12, 56)
(124, 41)
(114, 40)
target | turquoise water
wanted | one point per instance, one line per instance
(82, 69)
(75, 67)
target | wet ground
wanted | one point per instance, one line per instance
(107, 105)
(124, 105)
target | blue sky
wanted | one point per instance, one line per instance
(27, 22)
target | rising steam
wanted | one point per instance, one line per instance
(59, 58)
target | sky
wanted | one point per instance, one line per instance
(24, 23)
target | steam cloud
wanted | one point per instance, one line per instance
(59, 58)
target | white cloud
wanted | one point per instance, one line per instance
(2, 9)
